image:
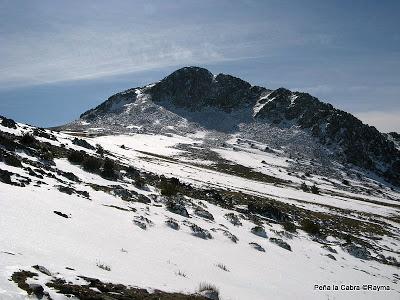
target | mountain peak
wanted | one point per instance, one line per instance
(195, 88)
(227, 103)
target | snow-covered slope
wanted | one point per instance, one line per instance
(172, 212)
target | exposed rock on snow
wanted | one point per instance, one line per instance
(281, 243)
(257, 246)
(259, 230)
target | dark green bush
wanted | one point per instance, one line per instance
(139, 182)
(99, 150)
(92, 164)
(12, 160)
(7, 143)
(268, 210)
(304, 187)
(169, 187)
(314, 189)
(46, 155)
(289, 226)
(108, 169)
(27, 139)
(310, 227)
(131, 171)
(76, 157)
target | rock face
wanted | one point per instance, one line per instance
(358, 251)
(193, 90)
(359, 143)
(260, 231)
(201, 212)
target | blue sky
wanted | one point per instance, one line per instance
(59, 58)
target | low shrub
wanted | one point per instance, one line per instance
(289, 226)
(27, 139)
(103, 266)
(92, 164)
(108, 169)
(222, 267)
(204, 286)
(310, 227)
(76, 157)
(12, 160)
(139, 182)
(169, 187)
(314, 189)
(304, 187)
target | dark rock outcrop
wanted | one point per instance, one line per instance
(196, 88)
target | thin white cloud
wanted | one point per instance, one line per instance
(89, 52)
(384, 121)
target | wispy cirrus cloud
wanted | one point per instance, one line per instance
(104, 40)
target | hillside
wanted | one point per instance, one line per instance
(139, 215)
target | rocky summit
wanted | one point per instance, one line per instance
(193, 97)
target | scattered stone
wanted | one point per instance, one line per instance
(329, 248)
(234, 219)
(257, 246)
(20, 278)
(143, 222)
(61, 214)
(172, 223)
(210, 294)
(42, 270)
(12, 160)
(5, 176)
(70, 176)
(124, 194)
(331, 256)
(259, 231)
(358, 251)
(143, 199)
(118, 207)
(177, 207)
(37, 290)
(280, 243)
(82, 143)
(66, 189)
(200, 232)
(201, 212)
(140, 224)
(10, 123)
(231, 236)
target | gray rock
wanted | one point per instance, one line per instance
(201, 212)
(257, 246)
(42, 270)
(358, 251)
(172, 224)
(37, 290)
(329, 248)
(210, 294)
(234, 219)
(200, 232)
(177, 207)
(331, 256)
(259, 231)
(280, 243)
